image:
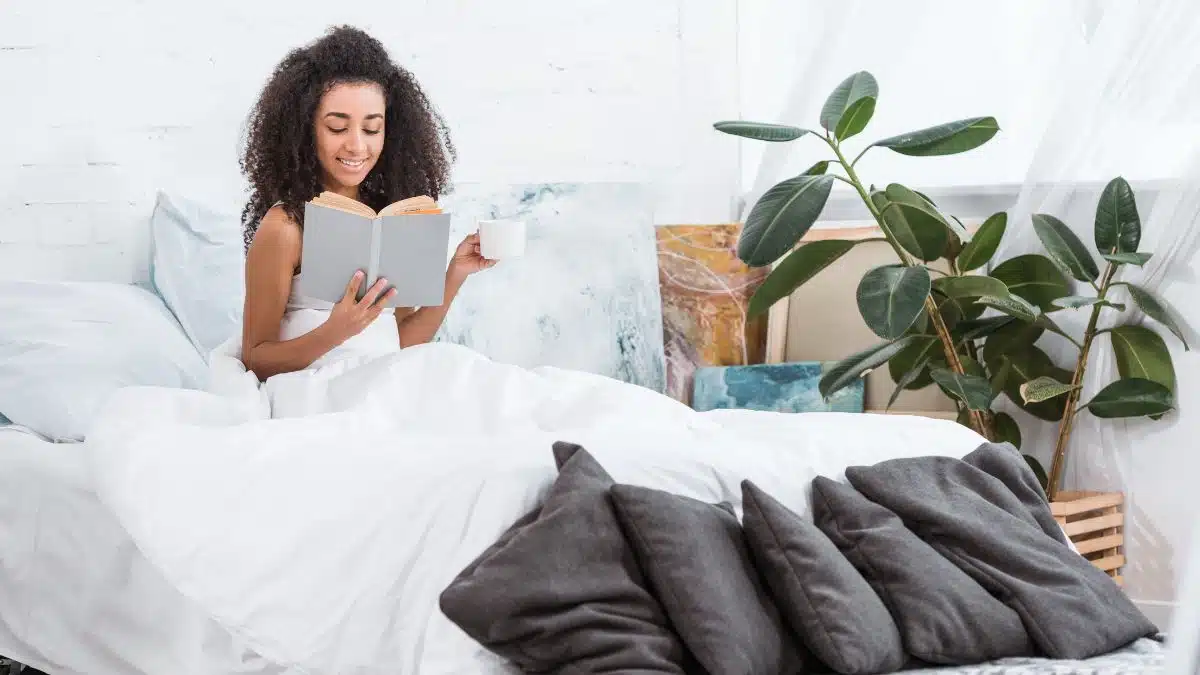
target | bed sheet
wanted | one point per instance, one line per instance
(1143, 657)
(76, 597)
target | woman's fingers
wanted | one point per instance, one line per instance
(353, 286)
(373, 293)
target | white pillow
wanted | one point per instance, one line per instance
(197, 268)
(65, 347)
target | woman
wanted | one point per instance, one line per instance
(336, 115)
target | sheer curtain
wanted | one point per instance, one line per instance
(1084, 91)
(1130, 105)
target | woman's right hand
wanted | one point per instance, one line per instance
(350, 316)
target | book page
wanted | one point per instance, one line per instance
(336, 245)
(334, 200)
(412, 255)
(421, 204)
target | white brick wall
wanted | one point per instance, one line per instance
(116, 99)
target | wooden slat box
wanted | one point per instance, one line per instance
(1095, 523)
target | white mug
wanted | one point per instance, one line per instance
(501, 239)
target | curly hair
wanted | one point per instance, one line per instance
(280, 158)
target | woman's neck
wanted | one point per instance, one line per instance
(345, 191)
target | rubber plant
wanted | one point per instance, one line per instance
(928, 306)
(1145, 386)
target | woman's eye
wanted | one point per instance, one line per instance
(335, 131)
(371, 132)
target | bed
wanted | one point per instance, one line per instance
(171, 527)
(76, 596)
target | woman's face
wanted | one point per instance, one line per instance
(349, 130)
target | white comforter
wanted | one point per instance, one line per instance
(318, 517)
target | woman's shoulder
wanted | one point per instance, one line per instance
(279, 234)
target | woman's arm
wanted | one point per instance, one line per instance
(418, 327)
(270, 261)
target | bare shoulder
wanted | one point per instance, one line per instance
(278, 238)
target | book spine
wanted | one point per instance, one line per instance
(376, 244)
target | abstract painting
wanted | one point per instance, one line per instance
(705, 292)
(777, 387)
(585, 294)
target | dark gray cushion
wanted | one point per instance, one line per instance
(561, 591)
(945, 617)
(1005, 463)
(695, 557)
(1070, 608)
(820, 594)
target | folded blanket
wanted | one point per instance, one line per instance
(1005, 539)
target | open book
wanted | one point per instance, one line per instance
(406, 242)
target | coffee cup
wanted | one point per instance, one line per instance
(501, 239)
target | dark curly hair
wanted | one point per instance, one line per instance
(280, 158)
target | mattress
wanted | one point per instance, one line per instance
(76, 597)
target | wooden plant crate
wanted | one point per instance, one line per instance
(1095, 523)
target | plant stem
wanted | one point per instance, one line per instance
(1069, 411)
(980, 420)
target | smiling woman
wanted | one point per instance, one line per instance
(339, 116)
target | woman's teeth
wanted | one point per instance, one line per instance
(352, 164)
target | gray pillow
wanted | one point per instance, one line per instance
(561, 590)
(695, 556)
(945, 617)
(823, 598)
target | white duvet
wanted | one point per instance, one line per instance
(318, 517)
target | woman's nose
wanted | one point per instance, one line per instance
(357, 142)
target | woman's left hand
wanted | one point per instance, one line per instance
(467, 258)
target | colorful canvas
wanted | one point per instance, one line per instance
(585, 294)
(705, 292)
(776, 387)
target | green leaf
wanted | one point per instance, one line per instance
(944, 139)
(1131, 398)
(760, 131)
(983, 245)
(974, 391)
(908, 367)
(856, 118)
(1044, 388)
(856, 365)
(1132, 258)
(1075, 301)
(1012, 305)
(818, 169)
(1038, 472)
(1118, 226)
(798, 267)
(1062, 245)
(1027, 362)
(919, 239)
(913, 202)
(1155, 309)
(1034, 278)
(859, 85)
(976, 329)
(1014, 335)
(890, 298)
(781, 217)
(970, 286)
(1141, 353)
(1000, 378)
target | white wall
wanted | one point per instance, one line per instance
(114, 100)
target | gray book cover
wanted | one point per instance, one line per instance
(410, 251)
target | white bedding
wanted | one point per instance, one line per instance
(76, 597)
(322, 536)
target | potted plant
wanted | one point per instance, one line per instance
(1145, 384)
(928, 306)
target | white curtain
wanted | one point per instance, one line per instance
(1130, 106)
(1084, 91)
